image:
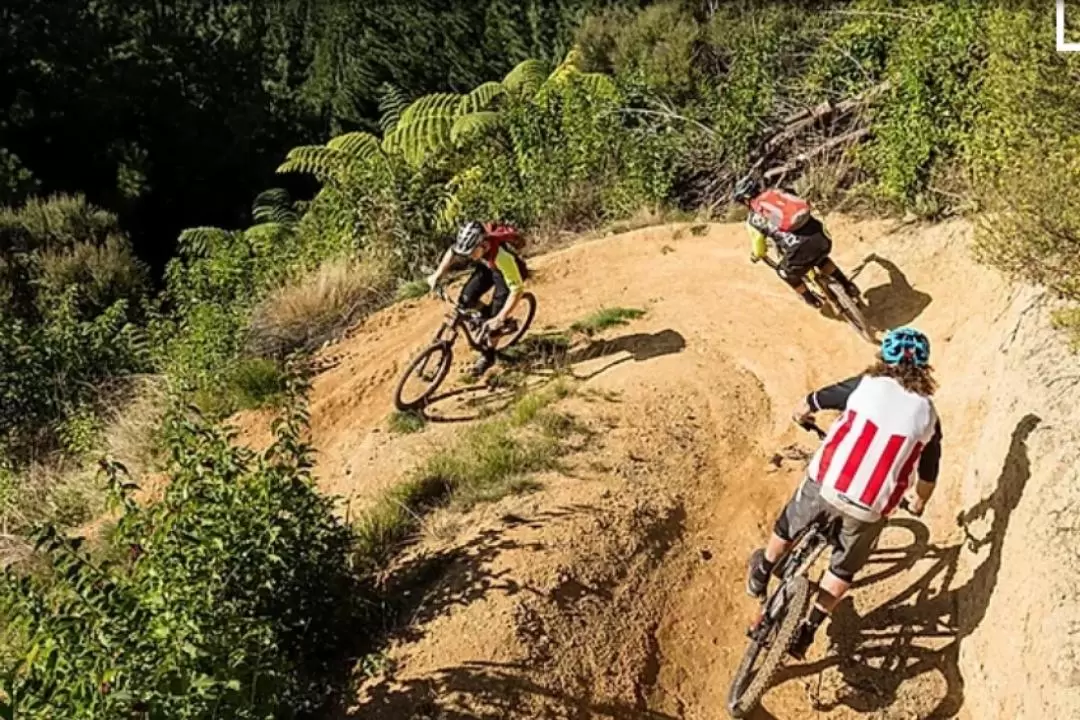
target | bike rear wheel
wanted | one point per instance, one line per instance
(850, 309)
(762, 659)
(522, 317)
(423, 376)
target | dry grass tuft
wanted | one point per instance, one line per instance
(319, 307)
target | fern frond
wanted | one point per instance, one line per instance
(480, 98)
(198, 241)
(273, 205)
(526, 77)
(472, 123)
(360, 146)
(598, 84)
(318, 160)
(434, 104)
(424, 127)
(392, 101)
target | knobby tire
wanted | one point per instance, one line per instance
(746, 691)
(445, 360)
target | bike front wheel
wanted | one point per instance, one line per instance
(423, 376)
(850, 310)
(762, 659)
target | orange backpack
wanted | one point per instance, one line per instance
(784, 211)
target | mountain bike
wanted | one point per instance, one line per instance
(784, 608)
(430, 367)
(847, 307)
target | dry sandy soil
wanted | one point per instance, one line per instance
(616, 591)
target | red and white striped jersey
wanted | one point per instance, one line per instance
(866, 461)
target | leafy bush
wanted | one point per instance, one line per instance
(70, 292)
(231, 596)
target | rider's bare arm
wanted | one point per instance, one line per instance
(444, 266)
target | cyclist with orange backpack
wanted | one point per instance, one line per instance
(800, 238)
(495, 265)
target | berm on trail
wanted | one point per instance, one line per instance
(615, 590)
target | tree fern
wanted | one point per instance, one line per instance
(480, 98)
(273, 205)
(360, 146)
(318, 160)
(526, 77)
(472, 123)
(424, 127)
(198, 241)
(392, 101)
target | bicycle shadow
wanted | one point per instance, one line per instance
(895, 303)
(919, 631)
(548, 356)
(540, 359)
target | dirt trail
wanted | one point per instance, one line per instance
(617, 590)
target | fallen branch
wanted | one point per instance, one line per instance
(847, 138)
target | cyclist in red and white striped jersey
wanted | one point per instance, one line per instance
(888, 430)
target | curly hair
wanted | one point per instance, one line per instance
(919, 380)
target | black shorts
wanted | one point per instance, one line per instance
(811, 250)
(483, 278)
(855, 540)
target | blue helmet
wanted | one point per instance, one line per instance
(905, 344)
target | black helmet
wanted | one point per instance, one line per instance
(470, 235)
(746, 188)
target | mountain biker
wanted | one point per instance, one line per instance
(862, 469)
(489, 247)
(798, 235)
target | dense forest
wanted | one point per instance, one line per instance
(198, 194)
(174, 115)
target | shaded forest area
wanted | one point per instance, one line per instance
(175, 114)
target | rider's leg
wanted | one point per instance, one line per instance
(795, 280)
(828, 267)
(799, 512)
(498, 301)
(478, 283)
(855, 543)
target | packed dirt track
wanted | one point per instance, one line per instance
(616, 590)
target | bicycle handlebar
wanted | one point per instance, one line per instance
(811, 426)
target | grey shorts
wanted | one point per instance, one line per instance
(856, 539)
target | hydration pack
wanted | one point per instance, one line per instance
(784, 211)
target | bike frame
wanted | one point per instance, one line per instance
(798, 560)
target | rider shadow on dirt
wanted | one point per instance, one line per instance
(555, 353)
(895, 303)
(548, 356)
(920, 630)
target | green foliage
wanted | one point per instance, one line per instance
(231, 596)
(69, 297)
(406, 422)
(926, 119)
(606, 318)
(652, 50)
(489, 461)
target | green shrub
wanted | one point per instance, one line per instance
(230, 597)
(491, 460)
(406, 422)
(606, 318)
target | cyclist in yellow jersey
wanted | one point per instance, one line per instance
(488, 246)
